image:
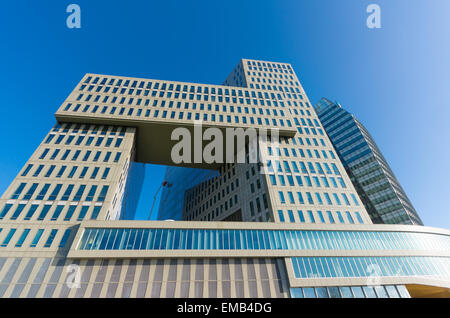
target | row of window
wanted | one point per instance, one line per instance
(267, 83)
(219, 210)
(122, 100)
(89, 129)
(180, 115)
(277, 67)
(279, 88)
(301, 152)
(207, 239)
(83, 140)
(194, 197)
(330, 267)
(76, 154)
(55, 213)
(319, 216)
(286, 150)
(22, 237)
(380, 291)
(292, 166)
(134, 87)
(93, 174)
(114, 99)
(318, 196)
(268, 75)
(56, 191)
(299, 181)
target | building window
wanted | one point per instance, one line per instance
(50, 238)
(8, 237)
(36, 238)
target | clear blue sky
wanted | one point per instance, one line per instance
(396, 79)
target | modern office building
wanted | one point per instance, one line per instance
(382, 195)
(297, 227)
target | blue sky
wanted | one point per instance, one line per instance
(396, 79)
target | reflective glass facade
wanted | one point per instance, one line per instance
(380, 191)
(388, 291)
(206, 239)
(330, 267)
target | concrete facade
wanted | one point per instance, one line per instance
(62, 232)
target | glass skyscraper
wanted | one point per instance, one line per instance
(296, 228)
(377, 186)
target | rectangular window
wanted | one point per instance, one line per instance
(18, 191)
(358, 216)
(44, 212)
(67, 193)
(354, 199)
(55, 192)
(300, 198)
(349, 217)
(97, 156)
(91, 193)
(72, 172)
(94, 173)
(30, 191)
(8, 237)
(319, 199)
(291, 216)
(281, 195)
(118, 142)
(79, 140)
(291, 197)
(57, 212)
(341, 219)
(61, 171)
(5, 210)
(75, 156)
(31, 211)
(345, 199)
(273, 180)
(27, 169)
(301, 216)
(103, 193)
(327, 197)
(64, 238)
(107, 156)
(83, 172)
(83, 212)
(36, 238)
(50, 171)
(310, 199)
(50, 238)
(281, 178)
(322, 219)
(70, 212)
(22, 237)
(99, 141)
(330, 217)
(65, 155)
(311, 216)
(337, 199)
(86, 156)
(108, 142)
(95, 212)
(19, 210)
(79, 193)
(44, 153)
(281, 215)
